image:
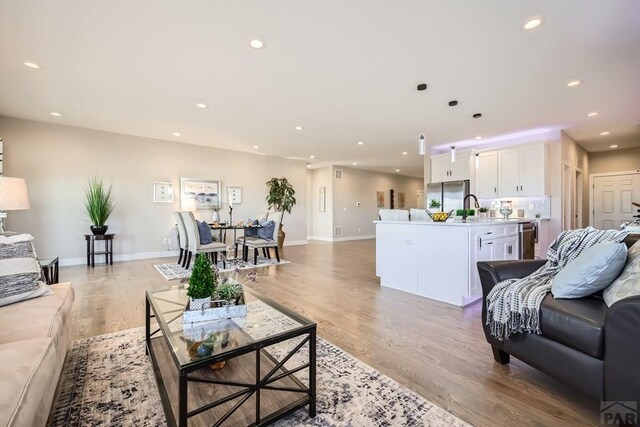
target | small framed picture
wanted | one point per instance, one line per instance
(162, 192)
(235, 195)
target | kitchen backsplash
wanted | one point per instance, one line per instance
(529, 207)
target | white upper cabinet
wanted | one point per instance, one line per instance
(520, 172)
(487, 175)
(532, 170)
(443, 169)
(509, 173)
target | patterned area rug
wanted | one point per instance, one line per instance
(107, 381)
(174, 271)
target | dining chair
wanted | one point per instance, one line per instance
(256, 243)
(183, 240)
(195, 247)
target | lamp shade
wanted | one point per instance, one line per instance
(13, 194)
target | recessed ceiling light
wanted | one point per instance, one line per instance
(355, 163)
(308, 165)
(478, 138)
(299, 128)
(32, 65)
(176, 134)
(201, 105)
(404, 153)
(55, 114)
(613, 146)
(605, 133)
(574, 83)
(592, 114)
(312, 156)
(360, 142)
(255, 147)
(256, 44)
(397, 170)
(532, 23)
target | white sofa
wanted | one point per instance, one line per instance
(34, 337)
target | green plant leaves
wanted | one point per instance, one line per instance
(98, 201)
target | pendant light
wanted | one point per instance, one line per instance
(422, 144)
(453, 154)
(477, 160)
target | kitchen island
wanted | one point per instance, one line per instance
(438, 259)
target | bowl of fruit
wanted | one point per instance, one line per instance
(439, 216)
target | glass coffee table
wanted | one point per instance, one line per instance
(269, 360)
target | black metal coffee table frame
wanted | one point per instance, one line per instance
(248, 389)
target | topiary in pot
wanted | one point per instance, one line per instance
(202, 283)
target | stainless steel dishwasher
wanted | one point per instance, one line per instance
(528, 235)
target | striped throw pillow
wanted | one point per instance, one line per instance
(20, 272)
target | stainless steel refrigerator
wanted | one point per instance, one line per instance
(450, 194)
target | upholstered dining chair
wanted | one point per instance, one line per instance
(183, 240)
(195, 247)
(256, 243)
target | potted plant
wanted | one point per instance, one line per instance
(483, 212)
(229, 292)
(281, 197)
(434, 204)
(98, 205)
(202, 284)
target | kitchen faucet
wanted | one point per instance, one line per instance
(464, 211)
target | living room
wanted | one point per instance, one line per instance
(353, 104)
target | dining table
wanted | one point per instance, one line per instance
(222, 228)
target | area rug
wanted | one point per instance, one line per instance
(175, 271)
(108, 381)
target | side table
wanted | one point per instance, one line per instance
(91, 250)
(50, 270)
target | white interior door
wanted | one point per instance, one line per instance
(612, 197)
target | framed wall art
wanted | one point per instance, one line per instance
(380, 199)
(323, 199)
(162, 192)
(199, 194)
(234, 195)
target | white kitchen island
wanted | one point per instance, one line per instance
(438, 260)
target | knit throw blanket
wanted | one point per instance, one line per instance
(513, 305)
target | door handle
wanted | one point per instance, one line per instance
(495, 189)
(489, 243)
(509, 250)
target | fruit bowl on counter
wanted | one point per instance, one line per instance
(439, 216)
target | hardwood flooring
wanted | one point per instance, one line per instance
(433, 348)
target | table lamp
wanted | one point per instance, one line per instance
(13, 196)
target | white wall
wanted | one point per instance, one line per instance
(361, 186)
(614, 160)
(322, 222)
(58, 160)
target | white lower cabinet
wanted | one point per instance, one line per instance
(495, 243)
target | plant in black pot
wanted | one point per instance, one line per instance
(98, 204)
(281, 197)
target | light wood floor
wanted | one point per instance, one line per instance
(435, 349)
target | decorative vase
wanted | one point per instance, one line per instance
(281, 236)
(99, 230)
(506, 209)
(199, 304)
(216, 215)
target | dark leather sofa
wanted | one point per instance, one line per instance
(584, 343)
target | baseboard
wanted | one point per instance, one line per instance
(347, 238)
(295, 242)
(66, 262)
(321, 238)
(341, 239)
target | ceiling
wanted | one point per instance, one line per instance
(344, 71)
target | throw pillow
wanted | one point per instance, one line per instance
(266, 232)
(595, 269)
(20, 272)
(627, 285)
(252, 232)
(205, 233)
